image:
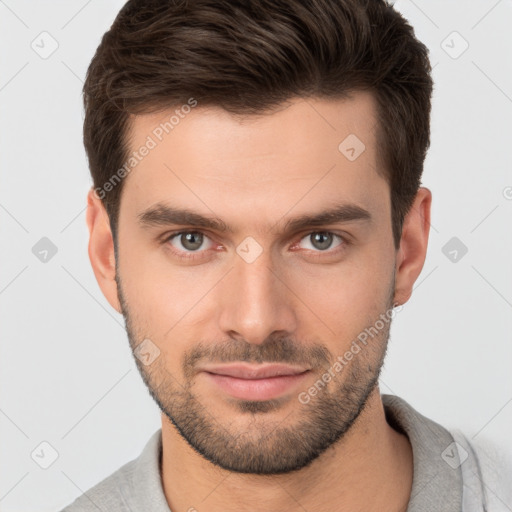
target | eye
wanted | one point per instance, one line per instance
(321, 240)
(190, 245)
(188, 241)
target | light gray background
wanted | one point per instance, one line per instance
(66, 371)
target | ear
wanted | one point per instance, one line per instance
(101, 248)
(413, 245)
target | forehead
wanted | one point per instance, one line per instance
(306, 154)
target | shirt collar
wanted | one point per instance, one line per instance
(437, 478)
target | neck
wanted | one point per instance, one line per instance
(369, 469)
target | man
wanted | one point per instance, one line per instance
(258, 219)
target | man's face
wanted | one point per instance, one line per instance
(263, 290)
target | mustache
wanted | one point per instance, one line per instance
(272, 350)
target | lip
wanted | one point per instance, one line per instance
(256, 382)
(246, 371)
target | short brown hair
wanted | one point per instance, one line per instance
(248, 56)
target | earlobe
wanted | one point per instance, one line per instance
(413, 245)
(101, 249)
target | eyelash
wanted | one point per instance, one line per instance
(198, 254)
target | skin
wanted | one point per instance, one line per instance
(255, 173)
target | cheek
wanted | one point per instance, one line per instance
(348, 296)
(167, 302)
(149, 293)
(175, 303)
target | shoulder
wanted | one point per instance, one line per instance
(492, 469)
(479, 469)
(132, 487)
(106, 495)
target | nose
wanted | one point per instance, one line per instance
(256, 302)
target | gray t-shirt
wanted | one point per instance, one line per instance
(446, 471)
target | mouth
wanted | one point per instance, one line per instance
(262, 382)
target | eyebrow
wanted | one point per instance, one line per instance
(163, 215)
